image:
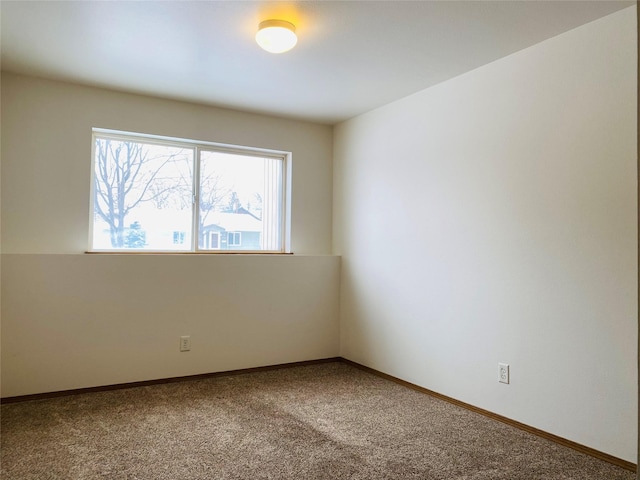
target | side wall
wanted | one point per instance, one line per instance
(71, 320)
(492, 218)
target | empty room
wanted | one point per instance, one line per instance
(319, 239)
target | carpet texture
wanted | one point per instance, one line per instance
(327, 421)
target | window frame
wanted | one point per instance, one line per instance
(197, 146)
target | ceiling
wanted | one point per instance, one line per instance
(351, 57)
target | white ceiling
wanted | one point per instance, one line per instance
(351, 57)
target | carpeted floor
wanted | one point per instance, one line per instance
(327, 421)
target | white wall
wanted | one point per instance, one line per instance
(492, 218)
(46, 158)
(71, 320)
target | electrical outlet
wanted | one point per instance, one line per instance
(503, 372)
(185, 343)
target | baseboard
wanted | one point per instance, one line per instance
(119, 386)
(632, 467)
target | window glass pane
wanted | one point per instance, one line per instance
(144, 190)
(240, 198)
(142, 196)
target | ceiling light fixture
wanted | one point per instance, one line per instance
(276, 36)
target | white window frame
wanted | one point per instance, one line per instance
(197, 146)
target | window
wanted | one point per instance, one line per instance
(234, 239)
(179, 238)
(158, 194)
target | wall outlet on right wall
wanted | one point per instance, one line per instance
(503, 372)
(185, 343)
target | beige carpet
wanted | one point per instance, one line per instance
(327, 421)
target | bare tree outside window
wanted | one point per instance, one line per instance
(129, 174)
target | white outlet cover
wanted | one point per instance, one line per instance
(503, 373)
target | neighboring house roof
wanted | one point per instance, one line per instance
(234, 222)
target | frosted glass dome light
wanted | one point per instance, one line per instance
(276, 36)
